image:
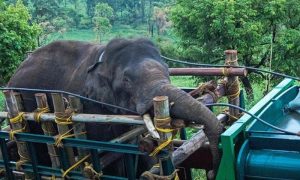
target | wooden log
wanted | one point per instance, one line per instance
(162, 120)
(87, 118)
(48, 129)
(162, 115)
(18, 126)
(189, 147)
(59, 108)
(233, 86)
(76, 106)
(207, 72)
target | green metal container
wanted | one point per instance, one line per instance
(268, 153)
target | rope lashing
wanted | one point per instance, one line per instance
(18, 119)
(233, 89)
(13, 132)
(62, 120)
(60, 137)
(232, 118)
(151, 176)
(225, 71)
(38, 112)
(22, 161)
(65, 173)
(163, 122)
(90, 172)
(161, 146)
(209, 88)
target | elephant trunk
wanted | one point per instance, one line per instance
(187, 108)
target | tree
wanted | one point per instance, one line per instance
(258, 29)
(17, 37)
(101, 19)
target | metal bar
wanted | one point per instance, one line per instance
(71, 142)
(33, 160)
(129, 161)
(96, 160)
(87, 118)
(208, 72)
(44, 170)
(8, 171)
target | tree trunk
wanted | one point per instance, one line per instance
(248, 87)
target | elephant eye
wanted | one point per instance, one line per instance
(127, 82)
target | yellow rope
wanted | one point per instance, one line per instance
(162, 122)
(63, 120)
(163, 119)
(161, 146)
(225, 71)
(235, 95)
(91, 172)
(75, 165)
(17, 119)
(60, 137)
(22, 161)
(13, 132)
(164, 130)
(38, 112)
(149, 175)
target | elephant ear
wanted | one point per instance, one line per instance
(98, 88)
(95, 65)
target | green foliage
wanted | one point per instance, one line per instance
(207, 28)
(1, 101)
(17, 37)
(102, 17)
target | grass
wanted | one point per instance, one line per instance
(90, 36)
(183, 81)
(1, 101)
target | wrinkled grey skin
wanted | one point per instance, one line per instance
(131, 74)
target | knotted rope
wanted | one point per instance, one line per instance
(151, 176)
(159, 123)
(90, 172)
(38, 112)
(60, 137)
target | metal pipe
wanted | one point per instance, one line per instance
(208, 72)
(88, 118)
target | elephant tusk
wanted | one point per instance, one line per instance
(150, 127)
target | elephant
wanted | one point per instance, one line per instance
(124, 72)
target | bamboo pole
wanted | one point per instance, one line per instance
(59, 108)
(76, 107)
(162, 120)
(48, 129)
(162, 115)
(19, 125)
(233, 86)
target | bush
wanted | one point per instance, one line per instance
(85, 23)
(17, 37)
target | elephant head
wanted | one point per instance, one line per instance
(131, 73)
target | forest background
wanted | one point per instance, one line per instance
(266, 33)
